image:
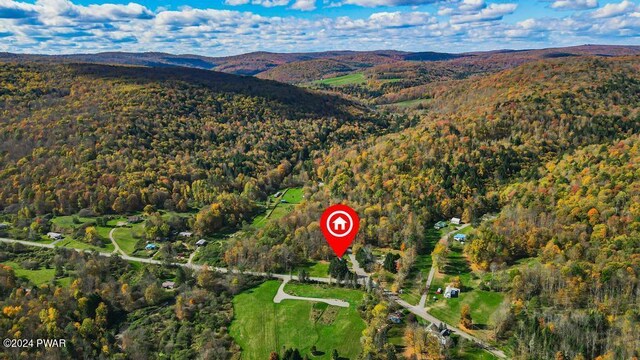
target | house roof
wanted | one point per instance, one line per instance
(460, 236)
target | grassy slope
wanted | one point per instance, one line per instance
(355, 78)
(260, 326)
(39, 276)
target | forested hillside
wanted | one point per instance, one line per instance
(492, 145)
(119, 138)
(582, 218)
(480, 135)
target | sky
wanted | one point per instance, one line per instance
(229, 27)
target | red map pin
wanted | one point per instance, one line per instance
(339, 224)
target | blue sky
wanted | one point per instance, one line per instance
(227, 27)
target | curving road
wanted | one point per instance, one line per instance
(281, 295)
(418, 311)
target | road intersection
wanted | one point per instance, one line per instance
(363, 277)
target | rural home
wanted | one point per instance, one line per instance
(201, 242)
(168, 285)
(151, 247)
(55, 236)
(134, 219)
(442, 333)
(4, 226)
(451, 292)
(440, 225)
(185, 234)
(460, 237)
(455, 221)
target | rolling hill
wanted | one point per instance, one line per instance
(86, 135)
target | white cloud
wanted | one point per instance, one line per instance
(490, 13)
(60, 26)
(304, 5)
(574, 4)
(614, 9)
(377, 3)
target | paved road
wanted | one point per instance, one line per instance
(356, 266)
(421, 312)
(418, 311)
(281, 295)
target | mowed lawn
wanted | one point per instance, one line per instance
(261, 326)
(349, 79)
(37, 276)
(315, 269)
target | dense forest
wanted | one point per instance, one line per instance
(111, 309)
(547, 145)
(114, 139)
(551, 147)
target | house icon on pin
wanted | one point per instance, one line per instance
(340, 224)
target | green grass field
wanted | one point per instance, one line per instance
(125, 238)
(483, 304)
(349, 79)
(293, 195)
(315, 269)
(260, 326)
(38, 276)
(67, 221)
(76, 244)
(408, 104)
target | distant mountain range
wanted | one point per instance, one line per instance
(301, 67)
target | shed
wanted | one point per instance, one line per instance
(460, 237)
(440, 224)
(55, 235)
(201, 242)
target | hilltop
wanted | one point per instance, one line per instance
(76, 136)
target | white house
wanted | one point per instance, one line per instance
(55, 236)
(201, 242)
(451, 292)
(185, 234)
(455, 221)
(168, 285)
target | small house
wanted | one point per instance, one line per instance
(451, 292)
(283, 201)
(455, 221)
(134, 219)
(168, 285)
(151, 247)
(440, 225)
(185, 234)
(201, 242)
(277, 194)
(55, 236)
(4, 226)
(460, 237)
(394, 319)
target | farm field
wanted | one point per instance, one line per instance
(350, 79)
(36, 276)
(261, 326)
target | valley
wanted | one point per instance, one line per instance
(165, 202)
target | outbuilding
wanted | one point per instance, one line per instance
(455, 221)
(460, 237)
(201, 242)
